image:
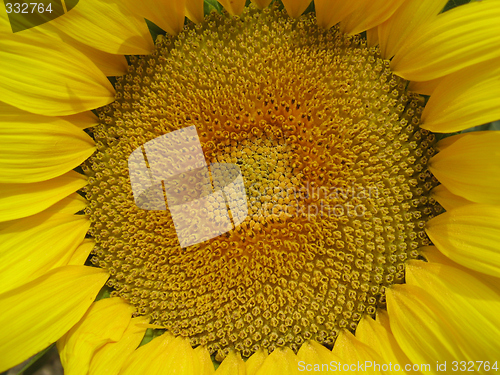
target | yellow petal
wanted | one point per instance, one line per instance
(433, 255)
(167, 14)
(448, 141)
(369, 14)
(461, 37)
(471, 306)
(49, 79)
(410, 15)
(109, 64)
(447, 199)
(110, 26)
(82, 120)
(4, 19)
(424, 87)
(232, 365)
(280, 361)
(32, 246)
(254, 363)
(234, 7)
(206, 364)
(40, 312)
(104, 322)
(109, 359)
(70, 205)
(82, 252)
(420, 326)
(331, 12)
(295, 8)
(383, 319)
(469, 166)
(141, 360)
(38, 148)
(465, 99)
(261, 4)
(373, 334)
(372, 37)
(469, 235)
(314, 357)
(22, 200)
(161, 356)
(195, 11)
(351, 351)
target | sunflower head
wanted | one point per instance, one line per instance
(334, 167)
(263, 186)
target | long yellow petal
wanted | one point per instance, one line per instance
(109, 359)
(167, 14)
(110, 26)
(471, 306)
(373, 334)
(280, 361)
(314, 357)
(232, 365)
(410, 15)
(48, 78)
(38, 148)
(331, 12)
(255, 361)
(461, 37)
(195, 11)
(206, 364)
(470, 165)
(82, 120)
(447, 199)
(261, 4)
(22, 200)
(295, 8)
(369, 14)
(464, 99)
(433, 255)
(104, 322)
(424, 87)
(110, 64)
(421, 327)
(161, 356)
(40, 312)
(234, 7)
(82, 252)
(69, 205)
(469, 235)
(372, 37)
(351, 351)
(32, 246)
(4, 19)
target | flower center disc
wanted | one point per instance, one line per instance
(334, 166)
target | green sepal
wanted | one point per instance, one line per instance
(105, 292)
(455, 3)
(211, 5)
(150, 334)
(35, 359)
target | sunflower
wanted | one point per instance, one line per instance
(368, 231)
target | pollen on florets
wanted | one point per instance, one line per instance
(335, 171)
